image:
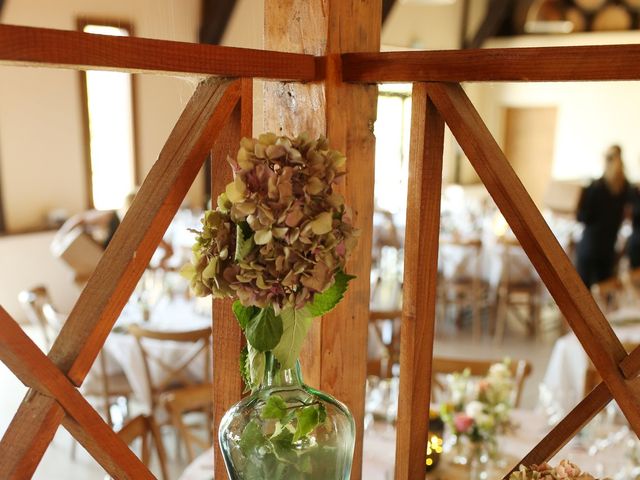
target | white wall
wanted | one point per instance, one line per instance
(591, 115)
(41, 137)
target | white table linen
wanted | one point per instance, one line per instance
(564, 380)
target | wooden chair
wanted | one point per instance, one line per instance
(175, 376)
(178, 403)
(32, 302)
(609, 294)
(145, 428)
(466, 291)
(513, 295)
(381, 365)
(520, 369)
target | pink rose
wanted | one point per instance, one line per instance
(462, 422)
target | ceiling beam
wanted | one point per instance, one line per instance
(214, 20)
(387, 6)
(497, 12)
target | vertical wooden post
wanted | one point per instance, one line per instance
(346, 113)
(227, 336)
(420, 276)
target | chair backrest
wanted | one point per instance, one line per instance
(173, 373)
(382, 356)
(185, 400)
(473, 245)
(609, 293)
(33, 302)
(145, 428)
(520, 370)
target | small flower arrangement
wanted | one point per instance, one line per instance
(277, 242)
(480, 410)
(564, 471)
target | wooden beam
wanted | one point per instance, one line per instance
(539, 243)
(229, 340)
(497, 11)
(588, 408)
(420, 277)
(545, 64)
(387, 6)
(46, 47)
(122, 264)
(334, 357)
(214, 19)
(31, 365)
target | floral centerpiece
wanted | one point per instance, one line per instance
(482, 411)
(565, 471)
(278, 242)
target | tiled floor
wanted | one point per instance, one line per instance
(57, 463)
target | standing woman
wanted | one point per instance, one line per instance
(633, 244)
(601, 209)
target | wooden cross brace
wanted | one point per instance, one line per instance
(54, 398)
(435, 104)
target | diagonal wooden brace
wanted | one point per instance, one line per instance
(551, 262)
(33, 368)
(582, 413)
(120, 268)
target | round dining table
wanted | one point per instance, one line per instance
(596, 456)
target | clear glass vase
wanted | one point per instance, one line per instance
(303, 434)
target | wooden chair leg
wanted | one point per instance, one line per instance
(501, 318)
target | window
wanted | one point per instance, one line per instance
(392, 130)
(110, 130)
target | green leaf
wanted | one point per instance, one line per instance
(244, 314)
(264, 330)
(256, 364)
(325, 302)
(244, 242)
(274, 409)
(295, 324)
(308, 420)
(251, 438)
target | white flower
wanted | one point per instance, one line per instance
(474, 409)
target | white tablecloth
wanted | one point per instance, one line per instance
(564, 380)
(379, 453)
(123, 355)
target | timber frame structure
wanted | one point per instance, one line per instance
(218, 114)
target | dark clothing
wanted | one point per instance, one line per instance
(602, 213)
(114, 223)
(633, 245)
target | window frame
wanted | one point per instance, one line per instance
(81, 23)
